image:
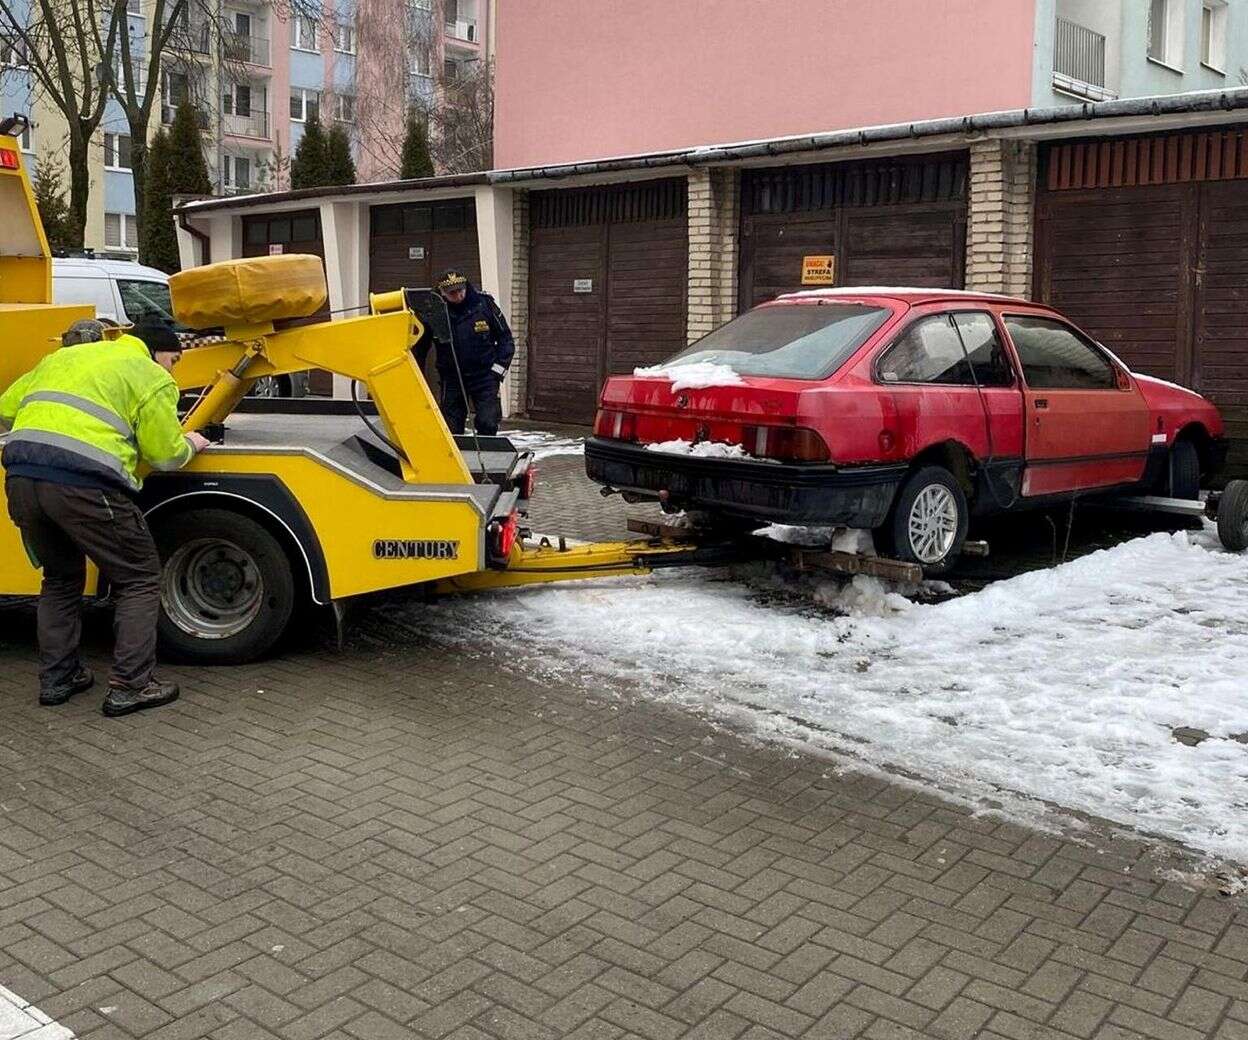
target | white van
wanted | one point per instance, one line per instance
(127, 293)
(120, 290)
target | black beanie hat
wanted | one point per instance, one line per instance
(158, 336)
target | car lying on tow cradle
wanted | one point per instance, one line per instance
(904, 411)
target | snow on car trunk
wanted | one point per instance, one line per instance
(1064, 685)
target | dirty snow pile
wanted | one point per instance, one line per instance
(1063, 685)
(697, 375)
(704, 450)
(544, 444)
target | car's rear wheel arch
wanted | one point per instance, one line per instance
(954, 456)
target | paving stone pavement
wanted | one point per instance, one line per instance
(402, 840)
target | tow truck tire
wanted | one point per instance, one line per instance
(1184, 470)
(1233, 516)
(928, 521)
(227, 591)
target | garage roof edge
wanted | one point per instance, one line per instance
(982, 123)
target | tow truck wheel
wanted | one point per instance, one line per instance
(929, 519)
(226, 588)
(1233, 516)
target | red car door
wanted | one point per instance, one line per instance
(1086, 423)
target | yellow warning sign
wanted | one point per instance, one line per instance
(818, 270)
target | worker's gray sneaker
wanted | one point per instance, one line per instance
(83, 679)
(122, 700)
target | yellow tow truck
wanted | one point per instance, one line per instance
(299, 510)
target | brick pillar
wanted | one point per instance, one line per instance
(714, 215)
(1000, 229)
(520, 301)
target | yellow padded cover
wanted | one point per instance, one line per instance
(249, 291)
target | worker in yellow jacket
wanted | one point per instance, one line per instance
(79, 424)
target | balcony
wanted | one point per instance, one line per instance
(253, 124)
(254, 50)
(463, 30)
(1079, 62)
(167, 112)
(191, 39)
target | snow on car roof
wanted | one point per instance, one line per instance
(898, 290)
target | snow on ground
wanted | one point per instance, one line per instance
(1062, 684)
(544, 444)
(21, 1020)
(696, 375)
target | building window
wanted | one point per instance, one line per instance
(236, 172)
(12, 52)
(1165, 32)
(236, 101)
(303, 33)
(420, 60)
(120, 231)
(344, 38)
(134, 6)
(304, 104)
(27, 138)
(117, 151)
(344, 108)
(1213, 17)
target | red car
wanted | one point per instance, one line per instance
(905, 411)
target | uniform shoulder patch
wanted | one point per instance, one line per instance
(481, 326)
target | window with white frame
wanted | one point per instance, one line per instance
(1165, 32)
(27, 138)
(1213, 19)
(117, 152)
(305, 104)
(134, 6)
(420, 65)
(236, 171)
(12, 52)
(344, 37)
(344, 108)
(120, 231)
(236, 99)
(303, 33)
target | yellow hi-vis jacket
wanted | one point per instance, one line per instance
(92, 411)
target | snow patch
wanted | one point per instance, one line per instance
(704, 450)
(697, 375)
(1062, 685)
(544, 444)
(21, 1020)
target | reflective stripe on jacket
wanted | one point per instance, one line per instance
(96, 409)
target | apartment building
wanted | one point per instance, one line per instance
(255, 76)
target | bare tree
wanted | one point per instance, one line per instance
(461, 121)
(69, 46)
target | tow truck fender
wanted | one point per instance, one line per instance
(263, 494)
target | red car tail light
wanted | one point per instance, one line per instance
(785, 443)
(503, 534)
(619, 426)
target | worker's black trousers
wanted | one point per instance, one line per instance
(62, 526)
(485, 403)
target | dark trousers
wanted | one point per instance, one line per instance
(485, 403)
(62, 526)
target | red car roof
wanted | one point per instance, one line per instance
(908, 294)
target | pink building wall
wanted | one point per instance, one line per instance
(577, 79)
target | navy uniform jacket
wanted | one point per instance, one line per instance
(482, 341)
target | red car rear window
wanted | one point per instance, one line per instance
(795, 341)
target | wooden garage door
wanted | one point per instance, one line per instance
(894, 222)
(608, 270)
(296, 232)
(1144, 242)
(410, 244)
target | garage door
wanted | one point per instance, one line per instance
(608, 270)
(894, 222)
(1144, 243)
(297, 232)
(411, 243)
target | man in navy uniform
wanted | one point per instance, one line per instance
(482, 343)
